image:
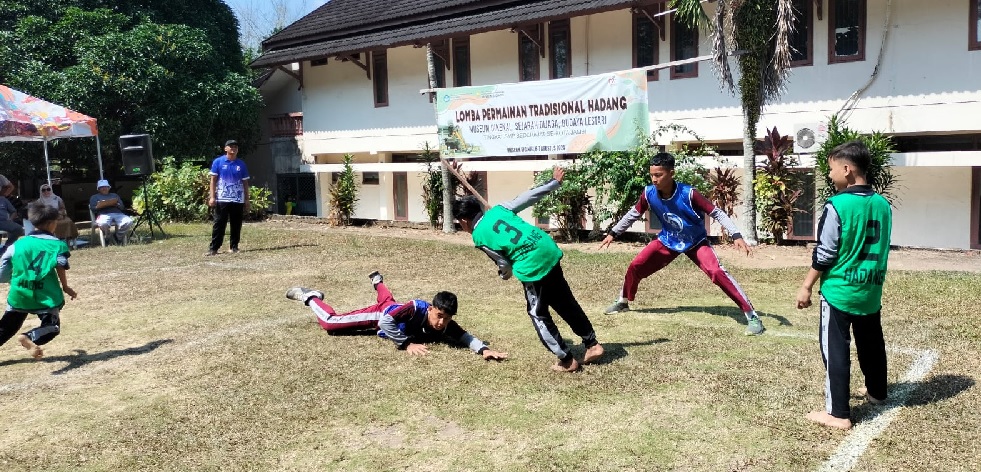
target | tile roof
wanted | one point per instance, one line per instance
(422, 30)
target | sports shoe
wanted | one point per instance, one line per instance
(302, 294)
(754, 327)
(375, 277)
(618, 307)
(593, 354)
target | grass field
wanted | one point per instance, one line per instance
(173, 361)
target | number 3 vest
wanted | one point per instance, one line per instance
(531, 251)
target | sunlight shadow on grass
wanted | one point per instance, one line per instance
(616, 351)
(279, 248)
(935, 390)
(82, 358)
(731, 312)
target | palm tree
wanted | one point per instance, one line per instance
(758, 31)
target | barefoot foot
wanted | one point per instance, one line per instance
(593, 354)
(826, 419)
(35, 350)
(571, 365)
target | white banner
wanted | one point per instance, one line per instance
(606, 112)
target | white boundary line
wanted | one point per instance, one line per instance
(852, 448)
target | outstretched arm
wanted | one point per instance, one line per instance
(532, 196)
(700, 203)
(459, 335)
(624, 224)
(503, 265)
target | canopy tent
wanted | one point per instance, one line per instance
(27, 118)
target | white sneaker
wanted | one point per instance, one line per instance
(302, 294)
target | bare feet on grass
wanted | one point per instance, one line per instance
(593, 354)
(571, 365)
(825, 418)
(34, 349)
(864, 391)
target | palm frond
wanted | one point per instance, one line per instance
(690, 12)
(720, 46)
(782, 51)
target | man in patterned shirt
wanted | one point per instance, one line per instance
(228, 193)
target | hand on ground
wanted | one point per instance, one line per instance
(417, 349)
(606, 241)
(494, 355)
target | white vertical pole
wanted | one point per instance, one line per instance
(98, 151)
(47, 162)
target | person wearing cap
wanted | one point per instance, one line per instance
(228, 194)
(108, 210)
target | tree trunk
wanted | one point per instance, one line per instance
(448, 226)
(749, 175)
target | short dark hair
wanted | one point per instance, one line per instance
(855, 153)
(467, 207)
(663, 159)
(40, 213)
(446, 302)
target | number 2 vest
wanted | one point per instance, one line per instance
(531, 251)
(854, 283)
(34, 282)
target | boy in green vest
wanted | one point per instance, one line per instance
(532, 257)
(35, 268)
(850, 259)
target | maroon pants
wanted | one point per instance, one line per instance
(656, 256)
(362, 319)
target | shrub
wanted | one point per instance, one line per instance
(880, 174)
(260, 198)
(343, 195)
(775, 186)
(569, 203)
(175, 193)
(725, 192)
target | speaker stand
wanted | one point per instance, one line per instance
(147, 217)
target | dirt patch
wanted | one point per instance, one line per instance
(763, 257)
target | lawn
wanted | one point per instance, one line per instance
(173, 361)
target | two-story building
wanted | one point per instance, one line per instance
(909, 69)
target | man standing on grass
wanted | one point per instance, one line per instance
(850, 259)
(228, 194)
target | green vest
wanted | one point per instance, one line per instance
(531, 251)
(34, 283)
(854, 283)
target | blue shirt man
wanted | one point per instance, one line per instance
(228, 194)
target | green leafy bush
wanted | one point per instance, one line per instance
(880, 146)
(569, 203)
(260, 198)
(175, 193)
(776, 185)
(343, 195)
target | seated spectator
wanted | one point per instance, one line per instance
(108, 210)
(14, 230)
(65, 228)
(8, 190)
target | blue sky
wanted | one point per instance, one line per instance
(258, 18)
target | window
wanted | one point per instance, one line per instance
(400, 190)
(318, 62)
(369, 178)
(846, 31)
(802, 38)
(974, 42)
(802, 219)
(461, 62)
(379, 75)
(529, 38)
(684, 45)
(559, 49)
(440, 56)
(976, 208)
(646, 36)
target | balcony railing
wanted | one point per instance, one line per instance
(286, 125)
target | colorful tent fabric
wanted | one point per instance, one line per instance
(26, 118)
